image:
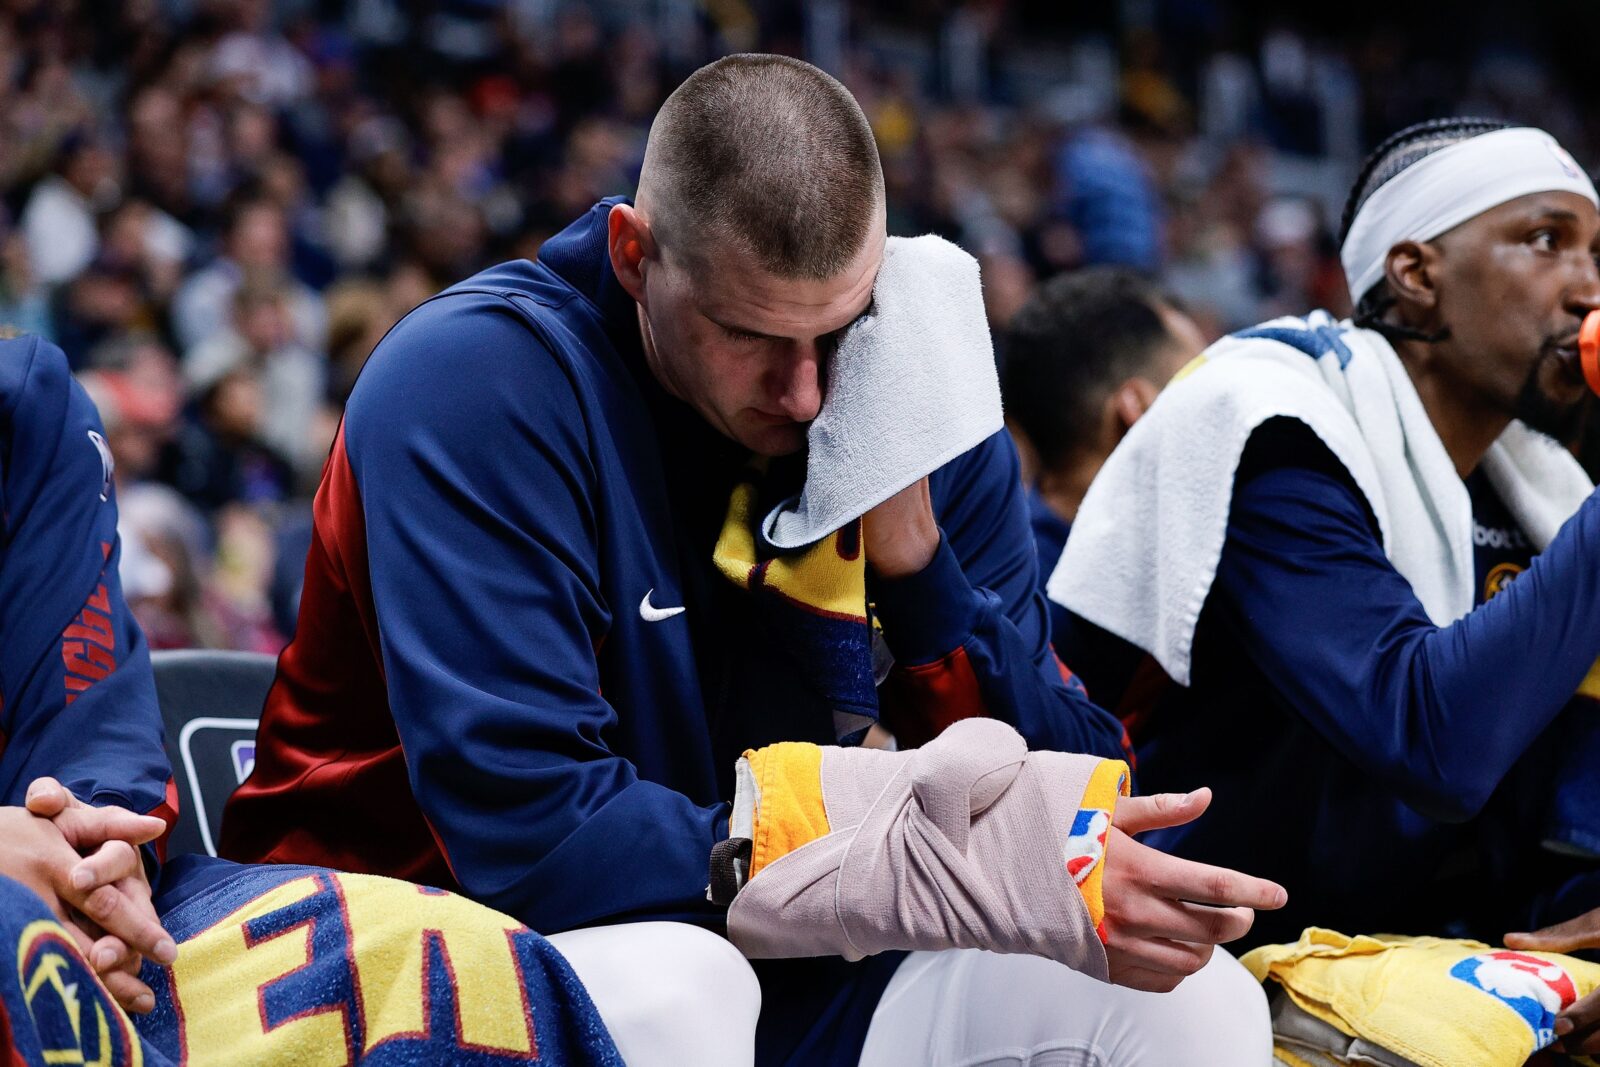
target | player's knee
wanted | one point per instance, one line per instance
(1220, 1007)
(669, 993)
(714, 977)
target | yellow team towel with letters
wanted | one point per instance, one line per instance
(1429, 1001)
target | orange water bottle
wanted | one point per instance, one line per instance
(1589, 349)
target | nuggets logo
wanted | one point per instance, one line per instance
(1534, 988)
(1500, 576)
(1087, 842)
(76, 1020)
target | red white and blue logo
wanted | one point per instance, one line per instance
(1087, 842)
(1536, 989)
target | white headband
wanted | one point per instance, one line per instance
(1441, 191)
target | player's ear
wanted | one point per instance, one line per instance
(631, 246)
(1130, 401)
(1411, 270)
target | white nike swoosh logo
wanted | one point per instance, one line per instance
(650, 613)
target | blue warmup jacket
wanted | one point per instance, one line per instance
(78, 703)
(1395, 776)
(76, 697)
(1050, 533)
(473, 698)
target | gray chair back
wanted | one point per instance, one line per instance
(210, 703)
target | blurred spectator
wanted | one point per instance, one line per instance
(164, 560)
(255, 60)
(24, 302)
(361, 204)
(265, 188)
(218, 457)
(141, 237)
(255, 238)
(1104, 189)
(236, 597)
(135, 384)
(260, 342)
(59, 221)
(104, 301)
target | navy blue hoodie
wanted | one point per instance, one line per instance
(474, 698)
(76, 697)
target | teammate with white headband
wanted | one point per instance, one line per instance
(1438, 192)
(1285, 577)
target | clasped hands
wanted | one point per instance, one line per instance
(84, 863)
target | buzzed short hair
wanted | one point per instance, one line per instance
(769, 154)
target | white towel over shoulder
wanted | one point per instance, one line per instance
(1147, 540)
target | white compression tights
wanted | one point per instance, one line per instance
(674, 994)
(970, 1008)
(670, 993)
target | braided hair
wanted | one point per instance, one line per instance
(1395, 154)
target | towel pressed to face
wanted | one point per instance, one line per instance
(911, 387)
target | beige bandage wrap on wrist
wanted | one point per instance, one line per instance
(963, 843)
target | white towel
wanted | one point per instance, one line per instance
(911, 387)
(1147, 540)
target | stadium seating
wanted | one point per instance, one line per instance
(210, 705)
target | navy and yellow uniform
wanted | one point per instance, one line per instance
(275, 965)
(490, 685)
(1383, 769)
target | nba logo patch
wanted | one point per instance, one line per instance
(1534, 988)
(1087, 842)
(1565, 160)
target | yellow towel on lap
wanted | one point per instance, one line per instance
(1436, 1002)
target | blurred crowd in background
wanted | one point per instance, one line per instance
(217, 207)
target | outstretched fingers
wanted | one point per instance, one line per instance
(1201, 883)
(1161, 917)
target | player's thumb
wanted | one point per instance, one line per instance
(47, 798)
(1582, 932)
(1135, 815)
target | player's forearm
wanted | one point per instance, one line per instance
(958, 655)
(855, 851)
(1439, 713)
(638, 853)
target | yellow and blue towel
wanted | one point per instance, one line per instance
(287, 964)
(1432, 1002)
